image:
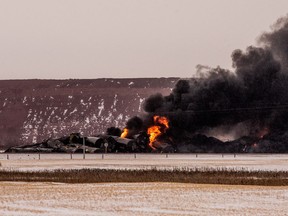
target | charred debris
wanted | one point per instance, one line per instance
(197, 143)
(94, 144)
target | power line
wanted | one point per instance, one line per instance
(241, 109)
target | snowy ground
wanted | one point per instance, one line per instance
(36, 198)
(22, 198)
(144, 161)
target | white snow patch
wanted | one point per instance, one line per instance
(113, 107)
(109, 117)
(101, 107)
(24, 99)
(140, 103)
(75, 110)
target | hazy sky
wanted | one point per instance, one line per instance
(126, 38)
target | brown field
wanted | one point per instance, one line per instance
(42, 198)
(199, 176)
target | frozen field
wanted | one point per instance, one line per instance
(23, 198)
(144, 161)
(38, 198)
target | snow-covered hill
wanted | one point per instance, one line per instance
(33, 110)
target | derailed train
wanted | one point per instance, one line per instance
(93, 144)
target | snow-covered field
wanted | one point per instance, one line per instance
(38, 198)
(144, 161)
(22, 198)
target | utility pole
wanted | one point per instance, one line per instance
(84, 150)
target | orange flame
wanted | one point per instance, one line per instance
(161, 124)
(153, 132)
(124, 133)
(161, 120)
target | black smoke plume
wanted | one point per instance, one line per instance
(253, 95)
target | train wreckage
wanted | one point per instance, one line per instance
(75, 143)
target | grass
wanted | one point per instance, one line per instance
(201, 176)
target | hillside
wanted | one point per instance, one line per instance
(33, 110)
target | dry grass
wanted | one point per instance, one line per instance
(201, 176)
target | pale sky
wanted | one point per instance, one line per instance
(59, 39)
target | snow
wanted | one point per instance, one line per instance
(101, 107)
(48, 198)
(114, 103)
(140, 104)
(82, 102)
(5, 102)
(75, 110)
(109, 117)
(64, 112)
(52, 113)
(24, 99)
(145, 161)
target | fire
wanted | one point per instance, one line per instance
(153, 132)
(161, 124)
(161, 120)
(124, 133)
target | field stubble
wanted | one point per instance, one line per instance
(30, 186)
(35, 198)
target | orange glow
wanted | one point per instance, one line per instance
(263, 132)
(124, 133)
(161, 124)
(161, 120)
(153, 132)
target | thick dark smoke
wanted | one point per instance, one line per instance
(113, 131)
(135, 123)
(134, 126)
(153, 103)
(254, 94)
(277, 42)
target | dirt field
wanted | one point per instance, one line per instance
(24, 198)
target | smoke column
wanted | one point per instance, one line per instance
(253, 95)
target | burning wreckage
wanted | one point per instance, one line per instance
(113, 141)
(158, 138)
(248, 105)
